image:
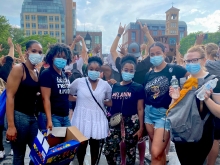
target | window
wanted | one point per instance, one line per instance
(96, 39)
(62, 41)
(182, 28)
(154, 28)
(34, 32)
(163, 33)
(162, 27)
(57, 18)
(50, 18)
(45, 32)
(57, 26)
(33, 25)
(172, 41)
(28, 25)
(51, 26)
(33, 17)
(51, 34)
(181, 35)
(42, 19)
(27, 17)
(173, 16)
(154, 33)
(22, 25)
(173, 32)
(173, 24)
(133, 36)
(27, 32)
(62, 26)
(40, 32)
(57, 34)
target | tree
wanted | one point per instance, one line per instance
(43, 39)
(4, 28)
(189, 41)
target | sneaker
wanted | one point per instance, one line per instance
(2, 154)
(148, 156)
(167, 158)
(11, 153)
(7, 141)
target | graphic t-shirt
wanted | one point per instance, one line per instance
(59, 85)
(157, 85)
(131, 93)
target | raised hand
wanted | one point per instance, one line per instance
(199, 39)
(178, 46)
(18, 48)
(143, 28)
(10, 43)
(1, 49)
(122, 50)
(77, 39)
(97, 49)
(121, 29)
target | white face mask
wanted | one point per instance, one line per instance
(35, 58)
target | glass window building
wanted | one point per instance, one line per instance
(49, 17)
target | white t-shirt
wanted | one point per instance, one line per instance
(79, 65)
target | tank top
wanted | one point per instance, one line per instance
(26, 95)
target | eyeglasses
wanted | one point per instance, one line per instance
(195, 60)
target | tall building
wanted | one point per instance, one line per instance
(54, 17)
(92, 38)
(169, 31)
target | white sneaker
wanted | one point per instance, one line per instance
(167, 158)
(2, 154)
(11, 153)
(148, 156)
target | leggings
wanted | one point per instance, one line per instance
(113, 143)
(94, 151)
(194, 153)
(1, 137)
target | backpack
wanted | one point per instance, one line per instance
(185, 120)
(75, 73)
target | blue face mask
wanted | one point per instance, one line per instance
(35, 58)
(93, 75)
(193, 68)
(60, 63)
(156, 60)
(127, 76)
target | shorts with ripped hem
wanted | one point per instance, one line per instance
(157, 117)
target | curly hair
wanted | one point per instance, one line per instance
(58, 49)
(95, 59)
(128, 59)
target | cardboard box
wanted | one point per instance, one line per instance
(59, 147)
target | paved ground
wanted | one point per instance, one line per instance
(173, 157)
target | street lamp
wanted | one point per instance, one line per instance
(88, 41)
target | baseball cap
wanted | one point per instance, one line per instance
(134, 48)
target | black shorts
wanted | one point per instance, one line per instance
(72, 105)
(217, 129)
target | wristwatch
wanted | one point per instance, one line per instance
(119, 35)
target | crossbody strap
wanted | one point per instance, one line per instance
(95, 98)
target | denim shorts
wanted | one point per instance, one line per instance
(156, 117)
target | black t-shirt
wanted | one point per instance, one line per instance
(59, 91)
(157, 85)
(6, 68)
(141, 69)
(131, 94)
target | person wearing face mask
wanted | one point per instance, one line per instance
(88, 116)
(127, 99)
(55, 87)
(22, 89)
(195, 153)
(157, 83)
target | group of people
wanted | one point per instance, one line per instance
(120, 101)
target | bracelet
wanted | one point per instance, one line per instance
(119, 35)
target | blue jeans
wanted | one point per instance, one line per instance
(156, 117)
(27, 129)
(57, 121)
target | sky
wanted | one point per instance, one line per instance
(106, 15)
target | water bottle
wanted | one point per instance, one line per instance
(211, 84)
(175, 84)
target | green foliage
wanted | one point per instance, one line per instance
(43, 39)
(189, 40)
(4, 28)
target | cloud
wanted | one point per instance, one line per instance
(209, 23)
(88, 2)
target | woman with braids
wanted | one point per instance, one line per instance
(128, 99)
(22, 89)
(55, 87)
(90, 116)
